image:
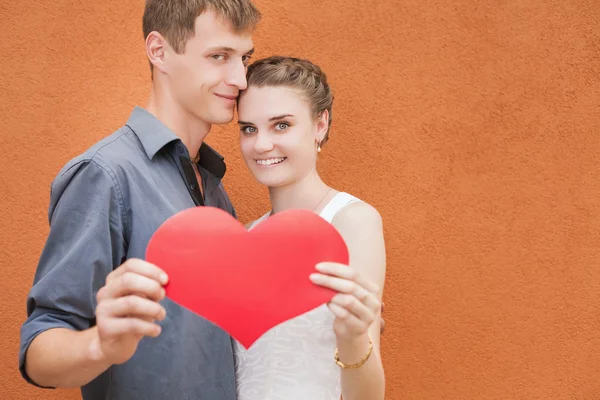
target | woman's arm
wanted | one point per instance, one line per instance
(358, 305)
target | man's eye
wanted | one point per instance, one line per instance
(218, 57)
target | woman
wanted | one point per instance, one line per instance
(332, 351)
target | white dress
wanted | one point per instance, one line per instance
(294, 360)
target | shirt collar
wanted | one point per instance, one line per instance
(154, 135)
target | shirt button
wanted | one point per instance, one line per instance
(192, 186)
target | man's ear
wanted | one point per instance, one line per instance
(156, 50)
(322, 125)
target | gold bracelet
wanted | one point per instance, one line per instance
(358, 364)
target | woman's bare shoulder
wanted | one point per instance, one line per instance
(358, 215)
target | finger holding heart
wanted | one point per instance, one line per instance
(356, 305)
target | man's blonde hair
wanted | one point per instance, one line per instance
(175, 19)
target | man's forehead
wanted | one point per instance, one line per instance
(215, 31)
(227, 42)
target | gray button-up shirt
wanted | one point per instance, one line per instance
(105, 205)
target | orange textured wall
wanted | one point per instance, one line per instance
(471, 125)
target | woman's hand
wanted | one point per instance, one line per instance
(357, 304)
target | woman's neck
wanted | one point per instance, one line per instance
(311, 193)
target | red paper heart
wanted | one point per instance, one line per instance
(245, 282)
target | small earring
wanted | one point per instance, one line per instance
(318, 146)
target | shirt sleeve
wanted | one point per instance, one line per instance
(85, 243)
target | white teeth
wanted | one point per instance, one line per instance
(270, 161)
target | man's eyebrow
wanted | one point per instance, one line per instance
(230, 50)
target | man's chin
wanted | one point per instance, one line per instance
(223, 117)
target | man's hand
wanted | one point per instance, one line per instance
(127, 310)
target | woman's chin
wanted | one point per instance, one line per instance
(272, 180)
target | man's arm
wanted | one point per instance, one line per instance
(74, 330)
(60, 357)
(64, 358)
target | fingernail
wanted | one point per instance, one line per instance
(314, 277)
(163, 278)
(319, 267)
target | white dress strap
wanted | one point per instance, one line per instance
(261, 219)
(339, 201)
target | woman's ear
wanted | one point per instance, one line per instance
(322, 125)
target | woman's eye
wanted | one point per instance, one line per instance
(248, 129)
(282, 126)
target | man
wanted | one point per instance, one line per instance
(97, 316)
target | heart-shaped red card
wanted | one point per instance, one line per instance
(245, 282)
